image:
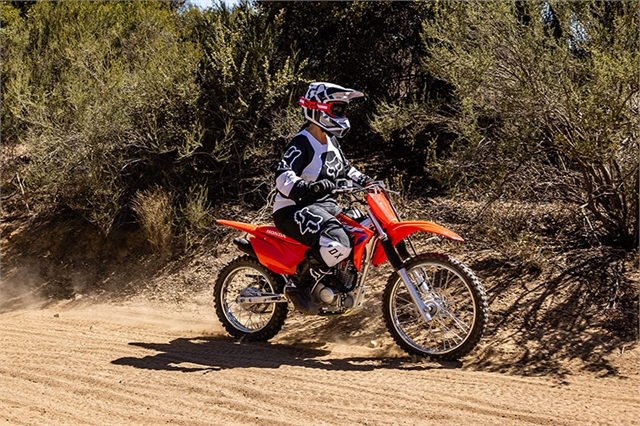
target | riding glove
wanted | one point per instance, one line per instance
(322, 187)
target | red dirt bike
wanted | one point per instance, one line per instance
(433, 306)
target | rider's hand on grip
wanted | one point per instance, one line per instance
(322, 187)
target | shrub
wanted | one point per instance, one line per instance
(544, 105)
(246, 82)
(196, 216)
(103, 95)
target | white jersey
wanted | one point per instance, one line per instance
(306, 159)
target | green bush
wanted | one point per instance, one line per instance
(101, 94)
(246, 86)
(374, 47)
(544, 105)
(533, 100)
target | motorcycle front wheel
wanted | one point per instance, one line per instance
(456, 301)
(245, 276)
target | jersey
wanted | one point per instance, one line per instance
(306, 159)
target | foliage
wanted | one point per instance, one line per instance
(545, 104)
(246, 81)
(373, 47)
(102, 94)
(536, 100)
(196, 214)
(112, 98)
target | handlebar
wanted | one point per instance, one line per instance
(347, 186)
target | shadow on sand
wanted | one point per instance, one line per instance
(216, 353)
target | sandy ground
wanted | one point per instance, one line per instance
(87, 363)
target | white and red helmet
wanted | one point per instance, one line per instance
(325, 104)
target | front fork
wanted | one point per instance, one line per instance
(415, 296)
(398, 265)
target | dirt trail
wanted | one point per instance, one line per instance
(81, 363)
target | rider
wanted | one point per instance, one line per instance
(304, 207)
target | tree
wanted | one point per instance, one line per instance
(111, 100)
(245, 87)
(374, 47)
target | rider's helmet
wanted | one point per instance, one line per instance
(325, 104)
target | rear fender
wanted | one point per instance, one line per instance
(246, 227)
(273, 249)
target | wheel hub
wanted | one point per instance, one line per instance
(432, 307)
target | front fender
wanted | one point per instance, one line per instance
(397, 231)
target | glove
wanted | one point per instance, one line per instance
(322, 187)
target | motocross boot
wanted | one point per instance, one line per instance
(307, 273)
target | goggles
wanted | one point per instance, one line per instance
(333, 109)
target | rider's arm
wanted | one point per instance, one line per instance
(358, 177)
(288, 181)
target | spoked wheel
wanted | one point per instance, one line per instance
(456, 302)
(245, 276)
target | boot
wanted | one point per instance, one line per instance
(304, 280)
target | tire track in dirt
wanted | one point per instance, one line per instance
(163, 364)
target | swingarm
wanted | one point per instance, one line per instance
(264, 298)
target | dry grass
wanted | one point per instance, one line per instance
(155, 214)
(196, 217)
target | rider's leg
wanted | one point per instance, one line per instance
(316, 227)
(334, 246)
(307, 274)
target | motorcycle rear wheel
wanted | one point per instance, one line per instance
(255, 322)
(458, 308)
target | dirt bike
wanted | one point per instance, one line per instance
(433, 306)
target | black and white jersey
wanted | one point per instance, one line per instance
(306, 159)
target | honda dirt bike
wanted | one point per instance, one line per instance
(433, 305)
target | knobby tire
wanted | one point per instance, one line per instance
(402, 318)
(224, 296)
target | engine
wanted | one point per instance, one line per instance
(343, 277)
(336, 292)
